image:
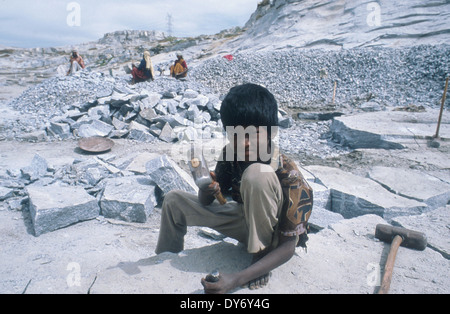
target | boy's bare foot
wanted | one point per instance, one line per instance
(259, 282)
(263, 280)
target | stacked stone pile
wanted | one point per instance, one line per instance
(91, 104)
(125, 189)
(141, 115)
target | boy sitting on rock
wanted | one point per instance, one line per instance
(271, 200)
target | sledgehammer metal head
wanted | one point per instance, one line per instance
(411, 239)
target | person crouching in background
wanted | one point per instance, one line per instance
(76, 63)
(179, 69)
(145, 70)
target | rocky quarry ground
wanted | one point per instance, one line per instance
(360, 123)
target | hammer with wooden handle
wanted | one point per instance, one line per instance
(397, 236)
(200, 172)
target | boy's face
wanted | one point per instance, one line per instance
(250, 143)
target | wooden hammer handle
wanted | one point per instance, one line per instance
(389, 267)
(221, 199)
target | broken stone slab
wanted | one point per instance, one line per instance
(169, 106)
(125, 109)
(37, 169)
(37, 136)
(353, 196)
(137, 126)
(161, 109)
(178, 120)
(75, 114)
(16, 203)
(187, 134)
(5, 193)
(131, 199)
(206, 116)
(169, 176)
(322, 218)
(104, 100)
(92, 176)
(118, 133)
(120, 98)
(190, 93)
(99, 111)
(413, 184)
(192, 112)
(155, 129)
(388, 129)
(200, 101)
(62, 130)
(140, 136)
(169, 94)
(151, 101)
(438, 236)
(167, 134)
(55, 207)
(95, 128)
(353, 138)
(121, 89)
(321, 196)
(119, 125)
(148, 114)
(83, 120)
(139, 132)
(138, 163)
(111, 168)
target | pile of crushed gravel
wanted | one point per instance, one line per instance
(305, 79)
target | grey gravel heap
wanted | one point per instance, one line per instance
(301, 78)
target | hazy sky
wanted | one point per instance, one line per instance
(44, 23)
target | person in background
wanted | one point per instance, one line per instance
(145, 70)
(179, 69)
(76, 63)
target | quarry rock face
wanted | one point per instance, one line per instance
(345, 24)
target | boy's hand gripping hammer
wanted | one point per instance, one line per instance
(200, 172)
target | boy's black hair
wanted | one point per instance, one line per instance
(249, 104)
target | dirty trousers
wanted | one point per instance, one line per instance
(252, 223)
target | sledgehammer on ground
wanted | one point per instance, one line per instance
(398, 236)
